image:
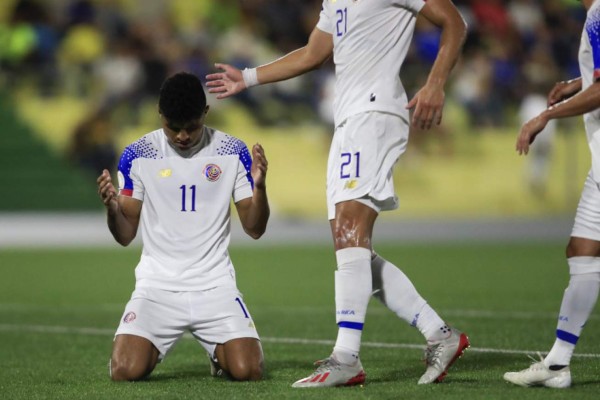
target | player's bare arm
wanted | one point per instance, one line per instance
(123, 213)
(581, 103)
(254, 211)
(428, 102)
(231, 81)
(563, 90)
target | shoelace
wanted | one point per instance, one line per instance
(537, 364)
(432, 353)
(325, 365)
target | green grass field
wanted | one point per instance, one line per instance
(59, 309)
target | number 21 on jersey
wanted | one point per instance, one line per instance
(341, 25)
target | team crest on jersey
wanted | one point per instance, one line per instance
(129, 317)
(212, 172)
(165, 173)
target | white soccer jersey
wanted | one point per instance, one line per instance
(185, 218)
(370, 39)
(589, 65)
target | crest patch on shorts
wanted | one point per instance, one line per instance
(129, 317)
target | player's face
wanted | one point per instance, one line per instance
(184, 135)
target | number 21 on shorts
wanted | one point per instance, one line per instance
(348, 167)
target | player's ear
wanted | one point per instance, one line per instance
(206, 109)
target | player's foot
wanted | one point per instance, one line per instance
(215, 368)
(538, 374)
(439, 356)
(330, 373)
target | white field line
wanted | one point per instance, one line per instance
(293, 341)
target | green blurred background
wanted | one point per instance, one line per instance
(78, 82)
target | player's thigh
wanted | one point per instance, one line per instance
(133, 357)
(585, 236)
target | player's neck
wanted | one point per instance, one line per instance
(188, 153)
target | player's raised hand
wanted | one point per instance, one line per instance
(226, 83)
(259, 166)
(529, 131)
(106, 189)
(428, 106)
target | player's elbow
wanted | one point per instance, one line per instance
(124, 240)
(256, 232)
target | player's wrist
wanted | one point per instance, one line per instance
(112, 206)
(250, 77)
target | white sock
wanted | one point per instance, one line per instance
(352, 293)
(577, 304)
(393, 288)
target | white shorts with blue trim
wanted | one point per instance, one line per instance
(364, 150)
(587, 218)
(212, 316)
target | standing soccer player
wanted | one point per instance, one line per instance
(179, 181)
(579, 96)
(369, 40)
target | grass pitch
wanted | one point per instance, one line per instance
(59, 310)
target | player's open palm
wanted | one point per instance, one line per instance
(226, 83)
(428, 106)
(529, 131)
(259, 166)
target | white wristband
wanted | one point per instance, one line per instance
(250, 77)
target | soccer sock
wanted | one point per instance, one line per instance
(577, 305)
(352, 293)
(393, 288)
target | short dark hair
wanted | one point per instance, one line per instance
(182, 98)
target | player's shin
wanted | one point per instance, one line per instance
(578, 302)
(352, 292)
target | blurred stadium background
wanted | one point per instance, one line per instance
(78, 82)
(79, 78)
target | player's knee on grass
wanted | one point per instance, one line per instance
(241, 359)
(244, 369)
(133, 358)
(127, 370)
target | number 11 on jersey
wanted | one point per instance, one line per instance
(183, 197)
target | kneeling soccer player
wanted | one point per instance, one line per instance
(179, 181)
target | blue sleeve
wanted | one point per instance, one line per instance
(592, 28)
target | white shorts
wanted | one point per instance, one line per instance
(587, 218)
(363, 152)
(213, 317)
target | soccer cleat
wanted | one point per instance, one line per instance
(538, 374)
(331, 373)
(215, 368)
(439, 356)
